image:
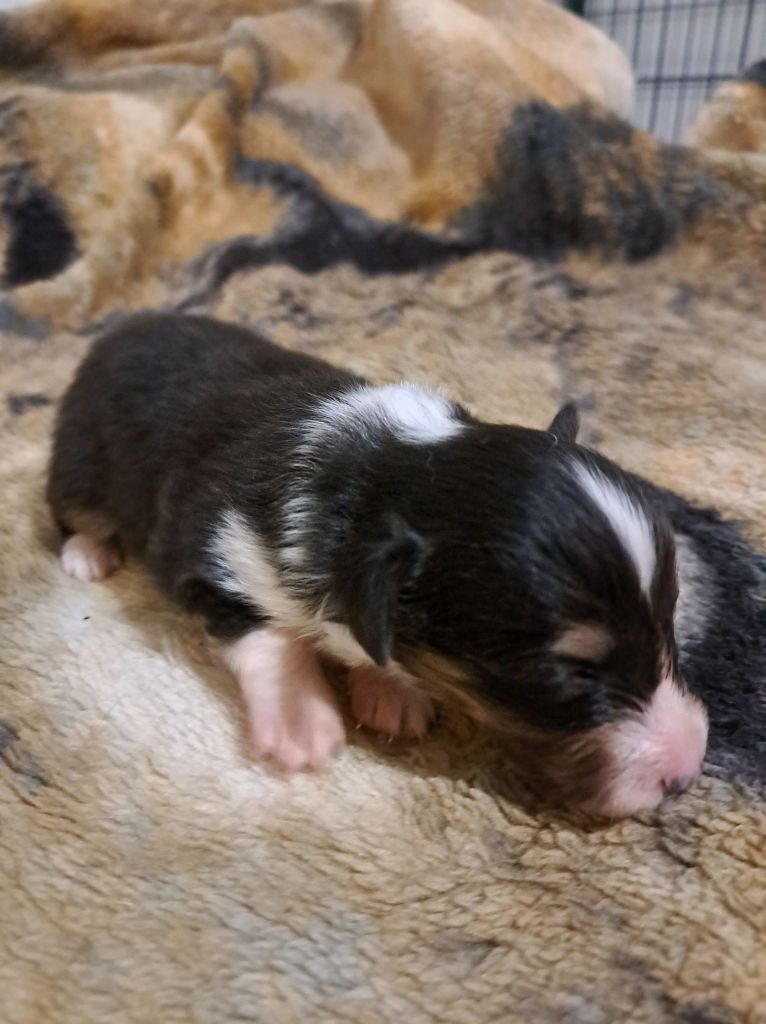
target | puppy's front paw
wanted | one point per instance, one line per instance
(88, 560)
(296, 732)
(387, 701)
(294, 722)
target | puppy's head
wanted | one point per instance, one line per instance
(538, 581)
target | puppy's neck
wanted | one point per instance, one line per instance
(342, 490)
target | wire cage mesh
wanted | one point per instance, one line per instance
(680, 51)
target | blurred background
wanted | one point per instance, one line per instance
(680, 51)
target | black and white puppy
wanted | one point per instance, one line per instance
(301, 510)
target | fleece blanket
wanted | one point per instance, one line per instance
(433, 190)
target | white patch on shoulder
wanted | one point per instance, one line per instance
(246, 569)
(627, 519)
(412, 413)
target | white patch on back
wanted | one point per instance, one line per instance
(627, 519)
(246, 569)
(410, 412)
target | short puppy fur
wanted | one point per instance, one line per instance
(302, 510)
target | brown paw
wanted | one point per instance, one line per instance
(388, 701)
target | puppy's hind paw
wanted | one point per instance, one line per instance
(88, 560)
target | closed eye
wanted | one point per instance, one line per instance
(578, 676)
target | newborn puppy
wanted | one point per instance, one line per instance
(300, 510)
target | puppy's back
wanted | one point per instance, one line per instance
(159, 390)
(173, 355)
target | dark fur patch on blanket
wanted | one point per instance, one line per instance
(574, 178)
(41, 243)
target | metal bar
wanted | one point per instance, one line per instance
(659, 8)
(746, 35)
(637, 40)
(710, 82)
(680, 79)
(613, 19)
(659, 66)
(691, 38)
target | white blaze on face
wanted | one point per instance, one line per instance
(653, 753)
(627, 519)
(247, 569)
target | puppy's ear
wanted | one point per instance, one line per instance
(388, 557)
(566, 423)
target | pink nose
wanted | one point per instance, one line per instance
(676, 786)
